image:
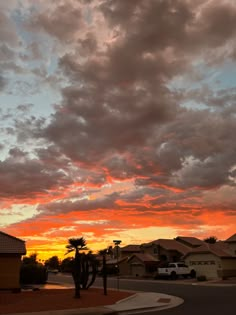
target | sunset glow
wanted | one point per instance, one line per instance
(118, 121)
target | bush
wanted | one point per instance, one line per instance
(201, 278)
(33, 274)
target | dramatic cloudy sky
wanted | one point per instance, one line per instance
(118, 120)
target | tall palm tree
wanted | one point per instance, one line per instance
(76, 244)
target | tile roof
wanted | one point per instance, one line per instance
(11, 245)
(114, 261)
(231, 239)
(131, 248)
(144, 257)
(192, 241)
(219, 249)
(169, 244)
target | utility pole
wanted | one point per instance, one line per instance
(117, 243)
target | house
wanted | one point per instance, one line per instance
(129, 250)
(139, 265)
(114, 266)
(165, 250)
(231, 241)
(212, 260)
(11, 250)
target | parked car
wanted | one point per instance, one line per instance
(174, 270)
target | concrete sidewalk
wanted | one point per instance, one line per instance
(138, 302)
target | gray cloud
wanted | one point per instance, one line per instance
(22, 177)
(119, 115)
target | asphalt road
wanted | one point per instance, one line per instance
(198, 299)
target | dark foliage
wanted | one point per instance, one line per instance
(33, 274)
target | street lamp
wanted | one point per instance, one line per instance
(117, 243)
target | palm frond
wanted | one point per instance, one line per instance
(76, 244)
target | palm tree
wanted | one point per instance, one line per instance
(103, 253)
(76, 244)
(93, 262)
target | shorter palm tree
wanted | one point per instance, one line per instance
(104, 253)
(76, 244)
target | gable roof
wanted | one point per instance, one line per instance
(131, 248)
(219, 249)
(231, 239)
(11, 245)
(146, 258)
(114, 261)
(169, 244)
(190, 241)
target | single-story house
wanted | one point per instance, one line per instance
(212, 260)
(139, 265)
(113, 266)
(11, 250)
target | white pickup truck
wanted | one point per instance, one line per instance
(174, 270)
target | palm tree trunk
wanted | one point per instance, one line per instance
(104, 274)
(76, 274)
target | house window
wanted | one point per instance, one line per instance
(154, 250)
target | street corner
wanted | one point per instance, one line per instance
(145, 301)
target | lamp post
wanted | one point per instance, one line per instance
(117, 243)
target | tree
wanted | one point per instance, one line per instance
(67, 264)
(104, 253)
(52, 263)
(76, 244)
(93, 264)
(31, 271)
(211, 239)
(32, 259)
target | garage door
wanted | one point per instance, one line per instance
(137, 270)
(204, 265)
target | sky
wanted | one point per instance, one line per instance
(118, 121)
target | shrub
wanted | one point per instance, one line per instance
(33, 274)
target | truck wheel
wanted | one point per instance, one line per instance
(193, 273)
(173, 275)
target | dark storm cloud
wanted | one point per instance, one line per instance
(119, 115)
(121, 104)
(22, 177)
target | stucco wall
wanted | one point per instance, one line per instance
(10, 271)
(124, 268)
(232, 247)
(229, 267)
(205, 265)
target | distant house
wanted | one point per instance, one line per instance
(212, 260)
(165, 250)
(142, 265)
(129, 250)
(114, 265)
(11, 250)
